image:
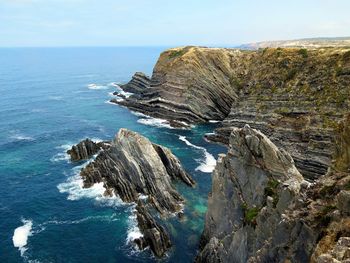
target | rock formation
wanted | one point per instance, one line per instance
(137, 84)
(262, 210)
(187, 86)
(293, 95)
(133, 167)
(154, 235)
(85, 149)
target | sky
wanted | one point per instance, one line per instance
(42, 23)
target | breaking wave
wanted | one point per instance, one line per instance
(207, 164)
(21, 234)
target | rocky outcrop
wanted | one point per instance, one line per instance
(254, 186)
(342, 155)
(133, 167)
(139, 83)
(154, 235)
(262, 210)
(293, 95)
(85, 149)
(188, 85)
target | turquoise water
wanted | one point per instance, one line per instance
(48, 103)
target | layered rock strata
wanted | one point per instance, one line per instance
(133, 168)
(187, 86)
(293, 95)
(137, 84)
(262, 210)
(85, 149)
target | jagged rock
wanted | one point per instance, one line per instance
(261, 210)
(188, 85)
(254, 187)
(133, 166)
(342, 158)
(340, 253)
(343, 202)
(137, 84)
(154, 235)
(293, 96)
(85, 149)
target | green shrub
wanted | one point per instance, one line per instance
(303, 52)
(176, 53)
(250, 215)
(271, 190)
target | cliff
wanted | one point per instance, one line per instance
(294, 96)
(140, 172)
(284, 118)
(262, 210)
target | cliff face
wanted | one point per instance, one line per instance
(295, 96)
(261, 210)
(188, 85)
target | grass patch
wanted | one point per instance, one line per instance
(271, 190)
(176, 53)
(250, 215)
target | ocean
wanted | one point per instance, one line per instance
(50, 99)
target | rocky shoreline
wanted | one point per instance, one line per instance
(140, 172)
(281, 193)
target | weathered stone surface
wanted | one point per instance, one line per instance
(133, 166)
(342, 158)
(188, 85)
(154, 235)
(137, 84)
(261, 210)
(343, 202)
(85, 149)
(254, 186)
(294, 96)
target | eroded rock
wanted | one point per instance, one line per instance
(133, 167)
(86, 149)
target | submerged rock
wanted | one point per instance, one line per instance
(85, 149)
(133, 167)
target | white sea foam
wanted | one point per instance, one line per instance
(21, 137)
(119, 90)
(139, 114)
(63, 155)
(73, 186)
(161, 123)
(21, 234)
(134, 231)
(107, 218)
(94, 86)
(208, 164)
(114, 84)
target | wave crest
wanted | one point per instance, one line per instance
(208, 164)
(21, 234)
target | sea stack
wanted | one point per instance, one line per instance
(133, 167)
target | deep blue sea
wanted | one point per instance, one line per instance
(50, 99)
